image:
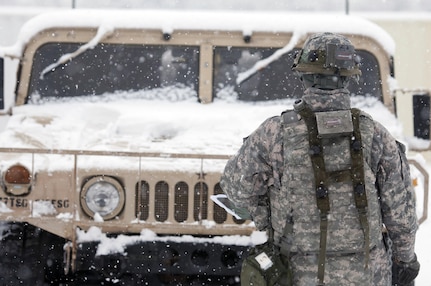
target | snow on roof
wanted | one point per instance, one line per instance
(169, 20)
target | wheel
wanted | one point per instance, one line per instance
(29, 255)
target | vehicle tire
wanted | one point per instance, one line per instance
(29, 255)
(17, 266)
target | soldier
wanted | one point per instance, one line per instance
(335, 179)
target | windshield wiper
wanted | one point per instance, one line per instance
(261, 64)
(102, 33)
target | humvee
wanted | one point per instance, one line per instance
(116, 127)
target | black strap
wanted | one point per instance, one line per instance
(320, 178)
(358, 180)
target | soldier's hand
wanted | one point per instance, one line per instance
(403, 273)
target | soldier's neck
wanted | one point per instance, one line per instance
(327, 100)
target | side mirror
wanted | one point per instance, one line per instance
(413, 109)
(421, 115)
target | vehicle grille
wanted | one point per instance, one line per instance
(183, 207)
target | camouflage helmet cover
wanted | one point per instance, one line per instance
(328, 54)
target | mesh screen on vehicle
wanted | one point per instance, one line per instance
(181, 208)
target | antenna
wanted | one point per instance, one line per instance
(347, 7)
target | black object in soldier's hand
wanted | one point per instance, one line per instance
(404, 273)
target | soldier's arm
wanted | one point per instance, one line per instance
(248, 174)
(396, 193)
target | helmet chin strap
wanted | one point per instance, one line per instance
(325, 82)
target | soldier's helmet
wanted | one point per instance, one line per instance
(328, 54)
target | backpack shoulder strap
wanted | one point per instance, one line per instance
(289, 116)
(320, 179)
(358, 180)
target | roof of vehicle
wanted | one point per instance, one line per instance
(170, 20)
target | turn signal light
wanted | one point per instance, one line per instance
(17, 180)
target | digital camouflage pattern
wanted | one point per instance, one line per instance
(345, 234)
(269, 164)
(328, 53)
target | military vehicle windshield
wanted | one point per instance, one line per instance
(109, 68)
(114, 68)
(277, 81)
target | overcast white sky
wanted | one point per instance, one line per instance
(292, 5)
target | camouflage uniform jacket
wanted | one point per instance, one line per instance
(259, 168)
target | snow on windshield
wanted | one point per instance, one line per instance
(102, 33)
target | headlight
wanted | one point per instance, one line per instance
(17, 180)
(102, 195)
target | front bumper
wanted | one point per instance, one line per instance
(162, 258)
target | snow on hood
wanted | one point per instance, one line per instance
(184, 126)
(152, 125)
(168, 21)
